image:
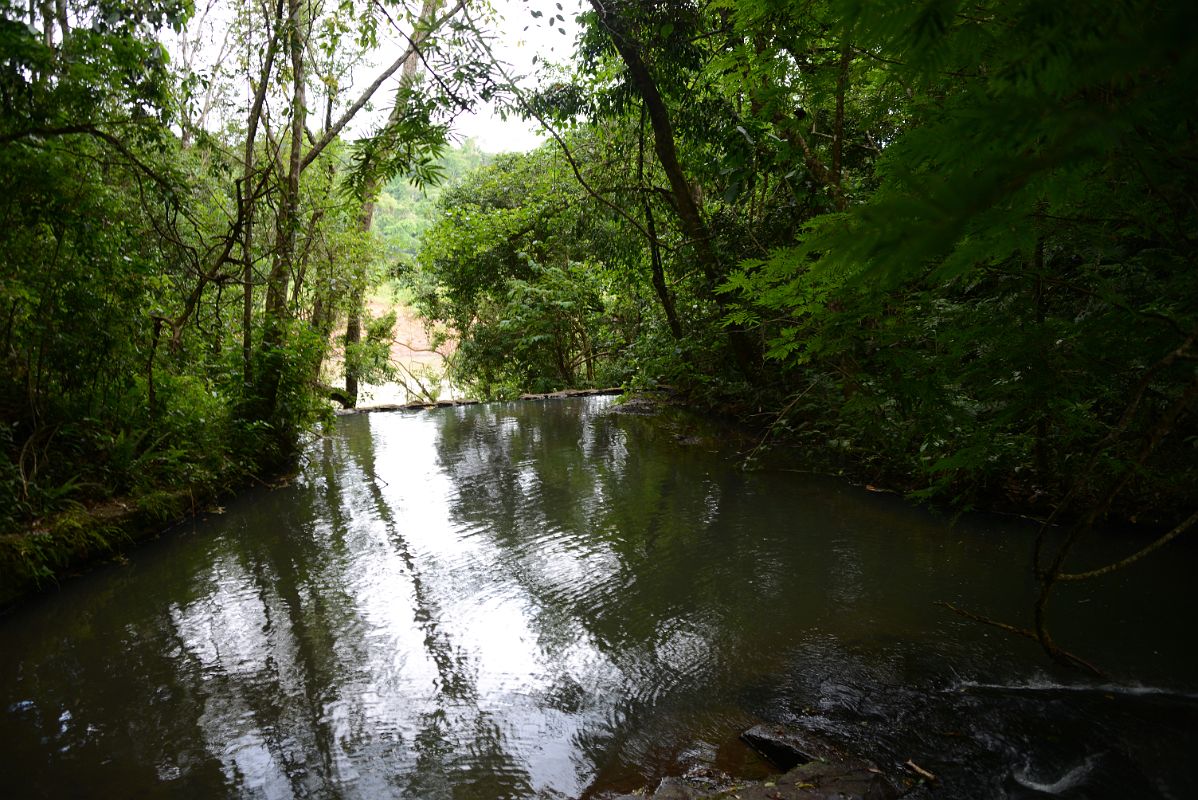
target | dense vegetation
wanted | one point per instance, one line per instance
(950, 246)
(404, 212)
(184, 230)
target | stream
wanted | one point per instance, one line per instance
(552, 600)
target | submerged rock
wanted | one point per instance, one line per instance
(787, 748)
(814, 781)
(816, 770)
(848, 780)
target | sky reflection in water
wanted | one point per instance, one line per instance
(523, 600)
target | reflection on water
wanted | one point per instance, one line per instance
(547, 600)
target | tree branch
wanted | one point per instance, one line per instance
(332, 133)
(1134, 557)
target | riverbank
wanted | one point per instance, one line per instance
(766, 441)
(71, 542)
(58, 547)
(759, 445)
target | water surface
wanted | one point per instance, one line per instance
(550, 600)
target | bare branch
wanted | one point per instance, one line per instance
(1134, 557)
(336, 128)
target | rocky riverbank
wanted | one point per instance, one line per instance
(814, 769)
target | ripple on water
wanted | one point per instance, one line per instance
(530, 601)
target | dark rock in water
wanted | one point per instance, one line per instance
(689, 441)
(814, 781)
(787, 747)
(818, 770)
(851, 780)
(676, 789)
(641, 405)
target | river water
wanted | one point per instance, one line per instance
(551, 600)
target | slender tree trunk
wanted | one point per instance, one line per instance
(842, 83)
(288, 220)
(1041, 447)
(248, 200)
(658, 271)
(744, 350)
(48, 23)
(151, 390)
(60, 8)
(663, 139)
(247, 302)
(353, 325)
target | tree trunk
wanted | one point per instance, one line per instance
(353, 325)
(842, 83)
(247, 201)
(288, 223)
(48, 24)
(693, 225)
(64, 25)
(658, 271)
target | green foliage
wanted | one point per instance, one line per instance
(371, 357)
(960, 239)
(986, 315)
(411, 146)
(403, 212)
(527, 272)
(108, 66)
(122, 317)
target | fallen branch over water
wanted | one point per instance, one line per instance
(1074, 660)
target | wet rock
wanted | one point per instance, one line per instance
(614, 390)
(689, 441)
(788, 747)
(675, 789)
(696, 784)
(853, 780)
(816, 770)
(640, 405)
(846, 780)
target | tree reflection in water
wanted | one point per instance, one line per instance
(545, 600)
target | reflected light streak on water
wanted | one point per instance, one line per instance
(546, 600)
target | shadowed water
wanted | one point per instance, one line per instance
(549, 600)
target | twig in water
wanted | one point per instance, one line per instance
(920, 771)
(1076, 661)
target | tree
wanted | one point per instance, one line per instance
(617, 22)
(527, 270)
(378, 161)
(173, 264)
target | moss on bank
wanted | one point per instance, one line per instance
(61, 545)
